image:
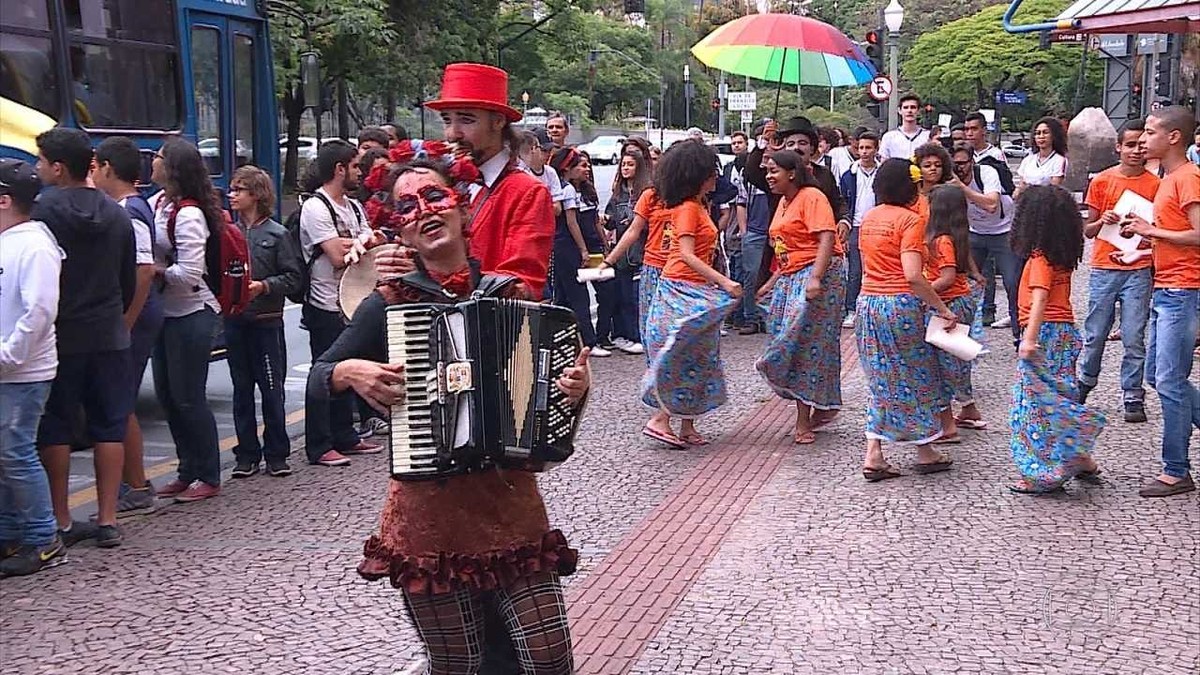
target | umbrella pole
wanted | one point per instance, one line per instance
(779, 84)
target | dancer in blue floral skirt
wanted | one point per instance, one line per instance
(1052, 434)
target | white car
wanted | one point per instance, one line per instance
(306, 148)
(724, 152)
(604, 149)
(210, 148)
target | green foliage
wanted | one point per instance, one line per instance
(573, 105)
(966, 60)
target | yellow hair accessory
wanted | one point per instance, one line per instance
(914, 172)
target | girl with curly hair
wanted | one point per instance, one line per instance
(685, 379)
(890, 326)
(802, 360)
(1052, 434)
(1048, 164)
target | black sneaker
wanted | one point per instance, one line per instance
(108, 536)
(244, 469)
(79, 531)
(1085, 389)
(1135, 412)
(33, 559)
(278, 468)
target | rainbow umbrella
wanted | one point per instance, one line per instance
(787, 49)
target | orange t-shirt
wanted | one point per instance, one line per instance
(886, 232)
(796, 226)
(1175, 265)
(689, 218)
(1102, 195)
(921, 208)
(1039, 273)
(944, 256)
(658, 219)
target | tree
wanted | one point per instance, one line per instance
(966, 61)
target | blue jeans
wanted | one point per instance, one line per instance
(995, 247)
(25, 513)
(1132, 289)
(754, 245)
(1174, 324)
(181, 382)
(256, 358)
(328, 425)
(854, 270)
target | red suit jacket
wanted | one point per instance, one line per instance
(513, 230)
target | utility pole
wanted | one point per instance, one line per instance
(722, 95)
(687, 95)
(893, 16)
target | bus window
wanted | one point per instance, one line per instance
(243, 98)
(27, 73)
(122, 56)
(206, 76)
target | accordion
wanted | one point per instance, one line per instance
(480, 387)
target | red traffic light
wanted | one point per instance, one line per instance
(872, 37)
(1137, 88)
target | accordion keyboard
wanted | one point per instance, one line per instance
(413, 450)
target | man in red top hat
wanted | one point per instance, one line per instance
(512, 216)
(511, 228)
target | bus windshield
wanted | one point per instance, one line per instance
(27, 63)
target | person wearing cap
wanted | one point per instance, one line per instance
(535, 151)
(29, 287)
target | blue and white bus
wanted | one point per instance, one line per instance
(147, 69)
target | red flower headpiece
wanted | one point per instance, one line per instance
(459, 166)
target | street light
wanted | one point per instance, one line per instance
(893, 16)
(687, 95)
(524, 105)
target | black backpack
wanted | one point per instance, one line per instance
(300, 295)
(1007, 185)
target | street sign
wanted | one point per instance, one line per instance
(741, 101)
(880, 88)
(747, 116)
(1011, 97)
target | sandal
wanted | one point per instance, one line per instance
(874, 475)
(942, 464)
(663, 437)
(1024, 487)
(820, 422)
(1089, 476)
(965, 423)
(948, 440)
(693, 438)
(806, 437)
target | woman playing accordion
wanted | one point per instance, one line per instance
(445, 543)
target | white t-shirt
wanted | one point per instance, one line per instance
(1037, 171)
(317, 226)
(141, 239)
(896, 143)
(982, 222)
(840, 161)
(550, 179)
(864, 192)
(990, 151)
(570, 197)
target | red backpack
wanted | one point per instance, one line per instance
(227, 259)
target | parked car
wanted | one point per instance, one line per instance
(210, 150)
(604, 149)
(1014, 150)
(724, 151)
(306, 148)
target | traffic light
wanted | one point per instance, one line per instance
(874, 49)
(1135, 101)
(874, 110)
(716, 104)
(1162, 76)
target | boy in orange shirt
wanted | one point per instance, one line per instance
(1175, 316)
(1111, 280)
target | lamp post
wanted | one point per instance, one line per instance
(687, 95)
(524, 106)
(893, 16)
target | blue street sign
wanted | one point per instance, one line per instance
(1012, 97)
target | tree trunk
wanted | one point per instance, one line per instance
(389, 107)
(293, 109)
(343, 111)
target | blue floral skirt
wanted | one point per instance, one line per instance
(954, 373)
(647, 288)
(900, 369)
(977, 333)
(685, 378)
(803, 358)
(1052, 434)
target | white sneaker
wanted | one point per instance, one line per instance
(600, 352)
(1003, 322)
(628, 346)
(848, 322)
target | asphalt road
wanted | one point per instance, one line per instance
(160, 459)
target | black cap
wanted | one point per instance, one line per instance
(19, 179)
(543, 138)
(797, 125)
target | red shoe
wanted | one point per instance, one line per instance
(197, 491)
(333, 458)
(171, 489)
(364, 448)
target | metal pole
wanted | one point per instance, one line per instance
(722, 93)
(894, 72)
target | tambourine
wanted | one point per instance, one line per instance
(359, 280)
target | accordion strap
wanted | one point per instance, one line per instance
(485, 285)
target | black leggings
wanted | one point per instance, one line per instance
(452, 627)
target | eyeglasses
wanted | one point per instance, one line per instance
(233, 190)
(429, 199)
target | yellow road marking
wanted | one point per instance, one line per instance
(88, 495)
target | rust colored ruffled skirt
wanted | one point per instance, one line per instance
(477, 531)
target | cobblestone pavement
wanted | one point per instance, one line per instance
(747, 556)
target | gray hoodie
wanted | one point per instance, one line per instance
(30, 262)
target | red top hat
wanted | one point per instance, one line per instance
(475, 85)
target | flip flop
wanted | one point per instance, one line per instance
(948, 440)
(817, 426)
(874, 475)
(939, 466)
(1024, 488)
(970, 424)
(694, 438)
(662, 437)
(809, 437)
(1089, 476)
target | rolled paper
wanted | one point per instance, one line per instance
(586, 274)
(956, 341)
